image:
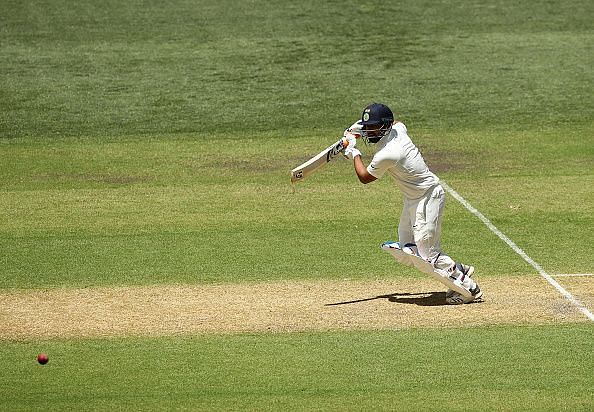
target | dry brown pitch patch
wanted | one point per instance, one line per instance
(276, 307)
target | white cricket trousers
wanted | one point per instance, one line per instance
(420, 223)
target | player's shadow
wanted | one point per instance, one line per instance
(420, 299)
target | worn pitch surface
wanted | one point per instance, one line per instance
(279, 307)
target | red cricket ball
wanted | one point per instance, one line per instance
(42, 358)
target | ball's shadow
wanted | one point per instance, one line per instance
(420, 299)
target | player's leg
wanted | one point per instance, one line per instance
(405, 231)
(427, 224)
(408, 256)
(404, 249)
(427, 233)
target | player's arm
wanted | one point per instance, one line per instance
(352, 153)
(362, 173)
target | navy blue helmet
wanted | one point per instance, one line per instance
(377, 122)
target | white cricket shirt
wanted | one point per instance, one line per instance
(397, 155)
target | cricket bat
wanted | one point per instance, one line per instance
(313, 164)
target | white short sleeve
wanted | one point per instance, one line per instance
(378, 166)
(400, 127)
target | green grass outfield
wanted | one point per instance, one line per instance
(150, 143)
(506, 368)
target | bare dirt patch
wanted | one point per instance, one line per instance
(276, 307)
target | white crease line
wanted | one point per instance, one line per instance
(572, 275)
(579, 305)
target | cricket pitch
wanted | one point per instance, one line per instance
(280, 307)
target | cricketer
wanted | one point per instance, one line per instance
(419, 230)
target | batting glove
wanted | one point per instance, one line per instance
(351, 152)
(351, 138)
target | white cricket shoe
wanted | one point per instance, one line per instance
(454, 298)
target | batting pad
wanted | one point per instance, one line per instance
(421, 264)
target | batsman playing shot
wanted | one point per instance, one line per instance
(419, 230)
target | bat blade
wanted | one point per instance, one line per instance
(303, 170)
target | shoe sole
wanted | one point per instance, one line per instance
(457, 299)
